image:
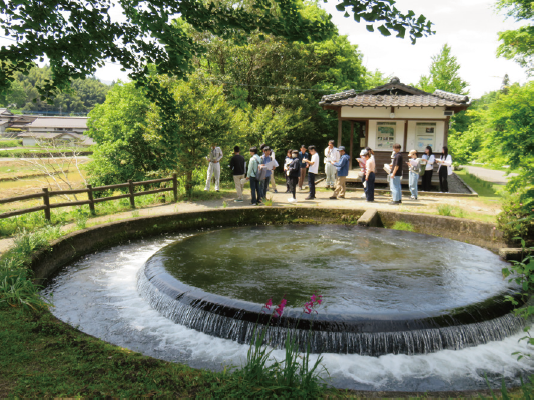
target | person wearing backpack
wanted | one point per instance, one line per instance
(252, 174)
(414, 166)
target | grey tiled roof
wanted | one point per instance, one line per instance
(395, 94)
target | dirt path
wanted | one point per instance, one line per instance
(426, 204)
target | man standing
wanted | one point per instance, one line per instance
(314, 170)
(253, 168)
(265, 159)
(396, 176)
(331, 154)
(342, 167)
(302, 155)
(237, 165)
(214, 167)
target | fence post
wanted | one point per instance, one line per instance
(132, 198)
(46, 201)
(90, 197)
(175, 187)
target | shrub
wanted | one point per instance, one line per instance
(517, 217)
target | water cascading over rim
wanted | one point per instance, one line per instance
(417, 331)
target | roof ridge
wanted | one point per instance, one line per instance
(461, 98)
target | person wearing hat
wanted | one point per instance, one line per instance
(362, 161)
(342, 167)
(413, 166)
(293, 171)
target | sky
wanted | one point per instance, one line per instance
(470, 27)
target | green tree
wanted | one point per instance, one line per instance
(518, 44)
(511, 123)
(79, 36)
(133, 142)
(444, 74)
(376, 78)
(119, 126)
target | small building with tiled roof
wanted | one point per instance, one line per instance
(394, 113)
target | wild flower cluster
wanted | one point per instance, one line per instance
(314, 300)
(278, 310)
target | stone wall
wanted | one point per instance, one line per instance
(75, 245)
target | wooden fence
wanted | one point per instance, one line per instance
(46, 194)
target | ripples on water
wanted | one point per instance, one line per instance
(98, 295)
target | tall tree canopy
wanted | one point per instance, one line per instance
(444, 74)
(78, 36)
(518, 44)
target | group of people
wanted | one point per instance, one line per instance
(260, 171)
(416, 167)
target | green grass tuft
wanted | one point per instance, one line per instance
(403, 226)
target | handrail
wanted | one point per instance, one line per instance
(91, 201)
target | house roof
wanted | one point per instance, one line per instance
(59, 122)
(85, 140)
(395, 94)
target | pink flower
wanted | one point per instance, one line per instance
(280, 309)
(268, 304)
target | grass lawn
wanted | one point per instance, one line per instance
(487, 192)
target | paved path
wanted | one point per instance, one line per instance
(425, 204)
(489, 175)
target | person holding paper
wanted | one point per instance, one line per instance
(361, 161)
(413, 166)
(370, 171)
(444, 169)
(331, 154)
(269, 163)
(286, 166)
(214, 167)
(313, 170)
(429, 169)
(253, 169)
(396, 175)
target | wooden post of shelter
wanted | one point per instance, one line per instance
(131, 189)
(446, 133)
(175, 187)
(46, 201)
(339, 131)
(351, 143)
(405, 136)
(91, 199)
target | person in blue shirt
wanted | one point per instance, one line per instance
(303, 154)
(342, 167)
(266, 158)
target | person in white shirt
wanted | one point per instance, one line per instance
(313, 170)
(444, 169)
(331, 154)
(429, 169)
(214, 167)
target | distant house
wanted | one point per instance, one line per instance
(59, 131)
(62, 139)
(58, 124)
(13, 121)
(395, 113)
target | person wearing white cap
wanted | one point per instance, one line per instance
(330, 154)
(414, 167)
(362, 161)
